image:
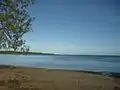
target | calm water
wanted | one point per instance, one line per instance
(89, 63)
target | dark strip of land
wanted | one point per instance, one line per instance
(25, 53)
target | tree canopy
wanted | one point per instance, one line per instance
(15, 21)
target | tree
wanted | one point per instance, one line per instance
(15, 21)
(25, 48)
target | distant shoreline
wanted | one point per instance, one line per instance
(25, 53)
(42, 53)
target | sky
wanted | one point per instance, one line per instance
(75, 27)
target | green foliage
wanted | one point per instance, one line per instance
(14, 23)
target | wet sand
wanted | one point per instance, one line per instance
(21, 78)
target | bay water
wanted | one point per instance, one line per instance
(99, 63)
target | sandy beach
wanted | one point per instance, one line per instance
(21, 78)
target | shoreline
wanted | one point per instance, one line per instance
(28, 78)
(55, 54)
(109, 74)
(23, 53)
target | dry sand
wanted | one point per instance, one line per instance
(43, 79)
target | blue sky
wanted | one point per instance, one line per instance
(75, 26)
